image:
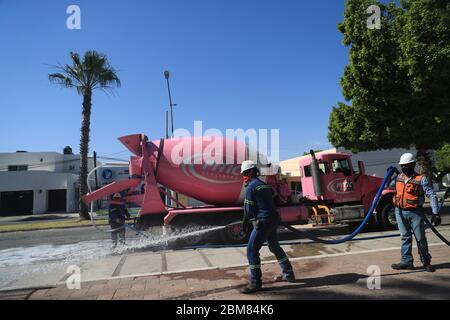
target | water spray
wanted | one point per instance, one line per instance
(133, 228)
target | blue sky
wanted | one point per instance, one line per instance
(234, 64)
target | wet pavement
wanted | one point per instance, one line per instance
(351, 275)
(37, 264)
(47, 265)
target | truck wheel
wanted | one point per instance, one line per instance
(233, 234)
(388, 221)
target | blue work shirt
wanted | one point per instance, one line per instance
(259, 202)
(117, 212)
(426, 189)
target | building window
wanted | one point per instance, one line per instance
(71, 168)
(18, 168)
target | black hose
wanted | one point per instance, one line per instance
(319, 240)
(440, 236)
(389, 173)
(301, 233)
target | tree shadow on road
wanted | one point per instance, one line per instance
(409, 288)
(331, 280)
(295, 289)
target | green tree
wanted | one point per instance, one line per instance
(91, 73)
(396, 83)
(443, 158)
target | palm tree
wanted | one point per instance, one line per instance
(94, 72)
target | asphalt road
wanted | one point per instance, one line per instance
(55, 236)
(37, 258)
(75, 235)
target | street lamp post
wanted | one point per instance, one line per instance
(167, 76)
(167, 124)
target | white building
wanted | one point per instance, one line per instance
(39, 182)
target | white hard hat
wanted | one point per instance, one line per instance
(247, 165)
(407, 158)
(117, 196)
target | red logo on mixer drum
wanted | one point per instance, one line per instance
(213, 173)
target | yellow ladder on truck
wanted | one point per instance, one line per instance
(319, 218)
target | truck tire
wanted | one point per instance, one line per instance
(233, 234)
(387, 217)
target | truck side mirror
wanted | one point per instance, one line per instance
(361, 167)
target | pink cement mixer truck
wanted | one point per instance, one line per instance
(208, 169)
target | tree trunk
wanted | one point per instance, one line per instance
(425, 163)
(84, 150)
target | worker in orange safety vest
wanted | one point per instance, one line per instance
(410, 189)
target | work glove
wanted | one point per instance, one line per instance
(436, 220)
(246, 226)
(119, 220)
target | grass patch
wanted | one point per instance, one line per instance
(104, 212)
(50, 225)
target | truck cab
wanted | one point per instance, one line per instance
(340, 184)
(348, 194)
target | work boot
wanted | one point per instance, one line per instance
(251, 288)
(429, 268)
(283, 277)
(402, 266)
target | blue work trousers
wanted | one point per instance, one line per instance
(411, 222)
(266, 231)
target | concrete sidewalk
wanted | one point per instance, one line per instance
(100, 264)
(343, 276)
(212, 273)
(21, 270)
(324, 272)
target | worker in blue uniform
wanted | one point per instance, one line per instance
(117, 214)
(261, 212)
